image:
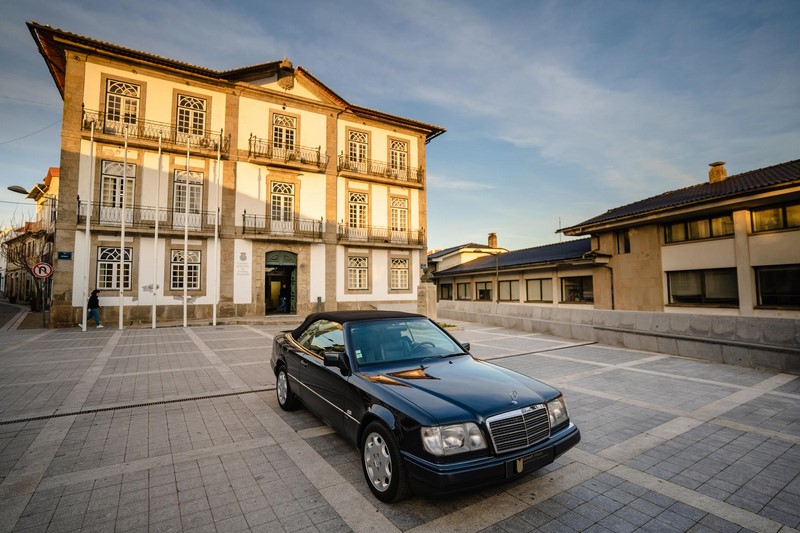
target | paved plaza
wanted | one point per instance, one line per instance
(178, 429)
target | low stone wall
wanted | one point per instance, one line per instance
(771, 343)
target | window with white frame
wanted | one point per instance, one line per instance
(117, 182)
(122, 103)
(357, 273)
(187, 198)
(358, 205)
(176, 277)
(284, 131)
(114, 268)
(398, 155)
(399, 274)
(358, 146)
(282, 202)
(399, 214)
(191, 115)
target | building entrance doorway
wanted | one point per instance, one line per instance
(280, 282)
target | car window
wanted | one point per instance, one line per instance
(307, 336)
(328, 337)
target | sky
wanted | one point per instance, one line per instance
(555, 111)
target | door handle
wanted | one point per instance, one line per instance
(303, 362)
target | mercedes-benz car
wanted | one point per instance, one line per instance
(425, 415)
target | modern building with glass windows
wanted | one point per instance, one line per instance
(196, 192)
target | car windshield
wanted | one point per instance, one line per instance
(397, 340)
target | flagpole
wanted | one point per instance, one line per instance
(155, 237)
(121, 273)
(216, 234)
(87, 235)
(186, 237)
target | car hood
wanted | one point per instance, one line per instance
(461, 388)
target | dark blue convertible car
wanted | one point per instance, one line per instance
(425, 415)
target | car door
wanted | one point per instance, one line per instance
(325, 386)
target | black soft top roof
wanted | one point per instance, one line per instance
(343, 317)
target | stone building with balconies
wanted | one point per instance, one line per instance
(192, 192)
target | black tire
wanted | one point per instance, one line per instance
(383, 465)
(286, 398)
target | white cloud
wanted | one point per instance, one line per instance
(442, 182)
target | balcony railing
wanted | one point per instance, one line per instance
(381, 169)
(264, 148)
(150, 130)
(295, 227)
(145, 217)
(380, 235)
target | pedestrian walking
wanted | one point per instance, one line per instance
(283, 299)
(93, 308)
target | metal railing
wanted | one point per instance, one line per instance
(295, 227)
(264, 148)
(381, 169)
(380, 235)
(145, 217)
(149, 130)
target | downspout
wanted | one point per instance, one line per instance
(611, 272)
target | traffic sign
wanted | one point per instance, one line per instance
(42, 270)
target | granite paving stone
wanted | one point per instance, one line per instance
(154, 448)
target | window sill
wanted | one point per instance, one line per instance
(706, 239)
(720, 306)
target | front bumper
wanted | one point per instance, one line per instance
(433, 478)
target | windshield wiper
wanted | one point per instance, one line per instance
(441, 356)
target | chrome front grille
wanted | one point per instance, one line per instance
(519, 429)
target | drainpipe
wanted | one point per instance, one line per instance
(611, 272)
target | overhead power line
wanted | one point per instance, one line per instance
(30, 134)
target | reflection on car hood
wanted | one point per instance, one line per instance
(457, 389)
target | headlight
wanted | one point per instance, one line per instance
(446, 440)
(557, 410)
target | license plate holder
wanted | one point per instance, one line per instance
(529, 463)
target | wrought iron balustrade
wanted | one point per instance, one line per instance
(294, 227)
(149, 130)
(381, 169)
(380, 234)
(145, 217)
(264, 148)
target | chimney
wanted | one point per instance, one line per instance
(717, 172)
(493, 240)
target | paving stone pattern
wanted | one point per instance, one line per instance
(178, 429)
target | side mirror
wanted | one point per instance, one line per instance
(466, 346)
(338, 360)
